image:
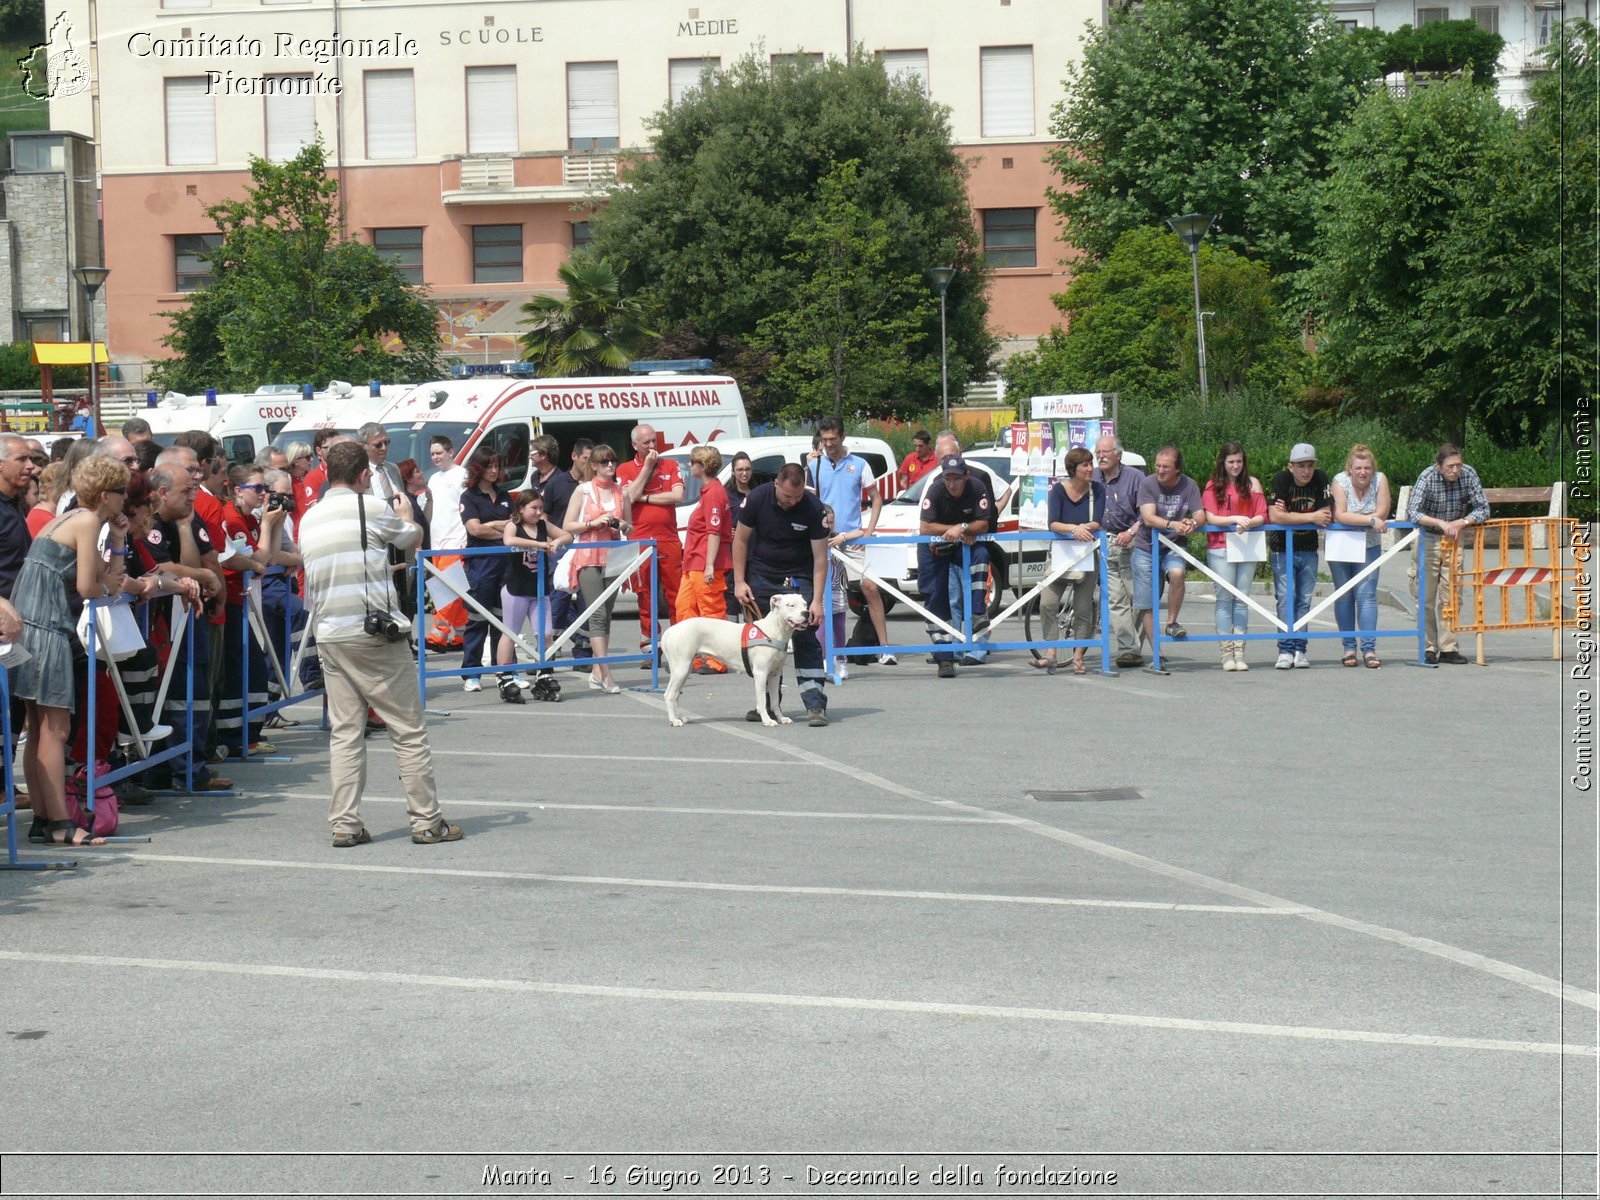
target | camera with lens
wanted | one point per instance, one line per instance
(380, 624)
(279, 500)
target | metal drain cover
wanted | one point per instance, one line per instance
(1121, 793)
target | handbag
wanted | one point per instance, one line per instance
(106, 811)
(117, 634)
(1078, 576)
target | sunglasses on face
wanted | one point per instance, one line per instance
(252, 487)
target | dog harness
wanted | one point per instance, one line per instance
(751, 636)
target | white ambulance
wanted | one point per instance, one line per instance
(243, 423)
(506, 413)
(340, 407)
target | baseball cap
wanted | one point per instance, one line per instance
(1303, 452)
(953, 464)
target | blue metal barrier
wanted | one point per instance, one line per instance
(184, 749)
(286, 673)
(1300, 628)
(967, 630)
(542, 647)
(8, 803)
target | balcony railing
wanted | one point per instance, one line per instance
(589, 170)
(487, 175)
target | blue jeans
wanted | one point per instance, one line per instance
(941, 584)
(1233, 614)
(1305, 582)
(958, 606)
(1357, 608)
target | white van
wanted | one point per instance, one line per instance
(507, 413)
(347, 412)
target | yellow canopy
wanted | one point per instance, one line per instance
(68, 354)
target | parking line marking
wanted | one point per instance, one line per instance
(1424, 945)
(793, 1000)
(698, 885)
(601, 760)
(805, 814)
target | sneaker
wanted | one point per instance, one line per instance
(753, 717)
(841, 668)
(1176, 632)
(1301, 662)
(442, 832)
(816, 718)
(1129, 660)
(1454, 656)
(524, 683)
(947, 669)
(1285, 662)
(1431, 658)
(344, 841)
(218, 755)
(130, 793)
(278, 721)
(471, 685)
(888, 660)
(971, 660)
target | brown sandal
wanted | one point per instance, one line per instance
(1373, 661)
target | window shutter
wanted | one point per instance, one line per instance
(592, 103)
(291, 116)
(684, 74)
(491, 110)
(907, 64)
(391, 114)
(191, 123)
(1007, 81)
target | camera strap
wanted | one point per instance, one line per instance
(366, 565)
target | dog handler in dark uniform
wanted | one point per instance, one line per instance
(956, 511)
(780, 545)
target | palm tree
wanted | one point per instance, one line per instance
(593, 330)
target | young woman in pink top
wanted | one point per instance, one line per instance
(1233, 497)
(598, 513)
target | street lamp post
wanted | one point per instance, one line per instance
(1192, 228)
(941, 277)
(90, 279)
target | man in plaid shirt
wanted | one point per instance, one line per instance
(1446, 498)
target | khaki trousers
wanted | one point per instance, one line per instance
(1430, 561)
(1119, 581)
(383, 675)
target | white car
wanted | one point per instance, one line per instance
(767, 454)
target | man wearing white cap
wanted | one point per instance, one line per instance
(1301, 495)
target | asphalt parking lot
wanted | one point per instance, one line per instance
(1326, 931)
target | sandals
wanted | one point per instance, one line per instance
(74, 836)
(1372, 660)
(1349, 658)
(344, 841)
(1078, 668)
(1042, 664)
(442, 832)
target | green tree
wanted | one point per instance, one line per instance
(1131, 325)
(1444, 46)
(706, 217)
(1220, 107)
(1434, 268)
(291, 300)
(593, 330)
(845, 335)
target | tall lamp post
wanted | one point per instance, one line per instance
(90, 280)
(1192, 228)
(941, 277)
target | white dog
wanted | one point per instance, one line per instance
(763, 646)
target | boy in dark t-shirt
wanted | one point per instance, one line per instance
(1301, 495)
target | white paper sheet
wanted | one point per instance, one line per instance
(1346, 545)
(1247, 547)
(1069, 554)
(439, 590)
(887, 562)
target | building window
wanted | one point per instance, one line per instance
(907, 64)
(191, 123)
(291, 116)
(1546, 25)
(50, 327)
(685, 74)
(491, 110)
(796, 60)
(1009, 239)
(593, 118)
(496, 253)
(1006, 79)
(1427, 16)
(402, 247)
(37, 155)
(389, 98)
(189, 269)
(1486, 17)
(582, 235)
(1356, 19)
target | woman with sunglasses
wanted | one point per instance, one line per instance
(241, 526)
(65, 565)
(485, 513)
(599, 512)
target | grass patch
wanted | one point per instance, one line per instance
(18, 110)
